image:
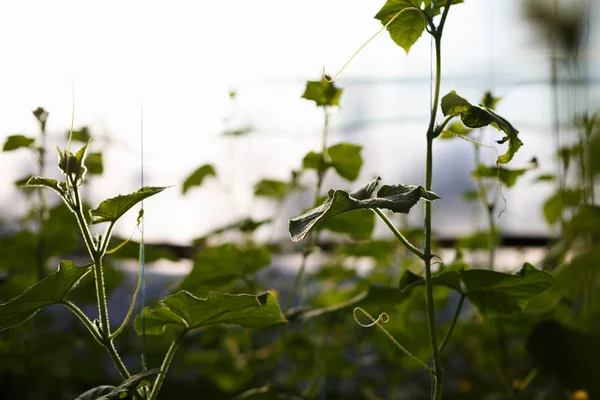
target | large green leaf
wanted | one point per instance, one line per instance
(125, 389)
(345, 158)
(197, 177)
(220, 265)
(112, 209)
(14, 142)
(358, 225)
(322, 92)
(51, 290)
(407, 27)
(477, 117)
(398, 198)
(187, 311)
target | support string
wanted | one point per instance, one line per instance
(142, 245)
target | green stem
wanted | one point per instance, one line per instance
(399, 235)
(165, 365)
(437, 367)
(438, 131)
(298, 278)
(452, 324)
(112, 351)
(134, 298)
(86, 321)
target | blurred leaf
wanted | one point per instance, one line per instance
(112, 209)
(152, 253)
(94, 164)
(14, 142)
(477, 240)
(457, 128)
(507, 176)
(271, 188)
(237, 132)
(80, 135)
(51, 290)
(470, 195)
(125, 389)
(189, 312)
(345, 158)
(322, 92)
(358, 225)
(380, 250)
(477, 117)
(545, 177)
(398, 198)
(217, 266)
(555, 204)
(197, 177)
(489, 101)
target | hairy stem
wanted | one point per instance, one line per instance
(411, 247)
(165, 365)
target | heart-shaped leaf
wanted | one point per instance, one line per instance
(112, 209)
(187, 311)
(398, 198)
(53, 289)
(197, 177)
(477, 117)
(14, 142)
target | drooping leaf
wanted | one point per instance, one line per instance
(14, 142)
(345, 158)
(38, 181)
(407, 27)
(187, 311)
(454, 130)
(398, 198)
(197, 177)
(112, 209)
(220, 265)
(507, 176)
(51, 290)
(358, 225)
(477, 117)
(271, 188)
(322, 92)
(125, 389)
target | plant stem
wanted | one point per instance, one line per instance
(438, 372)
(452, 324)
(165, 365)
(86, 321)
(40, 259)
(398, 235)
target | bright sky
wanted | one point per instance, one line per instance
(182, 57)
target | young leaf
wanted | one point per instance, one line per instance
(53, 289)
(398, 198)
(37, 181)
(14, 142)
(197, 177)
(73, 164)
(220, 265)
(406, 28)
(477, 117)
(323, 93)
(189, 312)
(125, 389)
(112, 209)
(271, 188)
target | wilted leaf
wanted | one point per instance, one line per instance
(51, 290)
(112, 209)
(187, 311)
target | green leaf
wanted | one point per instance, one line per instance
(112, 209)
(477, 117)
(94, 164)
(406, 28)
(51, 290)
(187, 311)
(38, 181)
(220, 265)
(496, 293)
(125, 389)
(545, 178)
(152, 253)
(14, 142)
(555, 204)
(73, 164)
(470, 195)
(455, 129)
(507, 176)
(197, 177)
(271, 188)
(345, 158)
(398, 198)
(358, 225)
(477, 240)
(489, 101)
(323, 93)
(80, 135)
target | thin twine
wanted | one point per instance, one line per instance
(431, 110)
(142, 245)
